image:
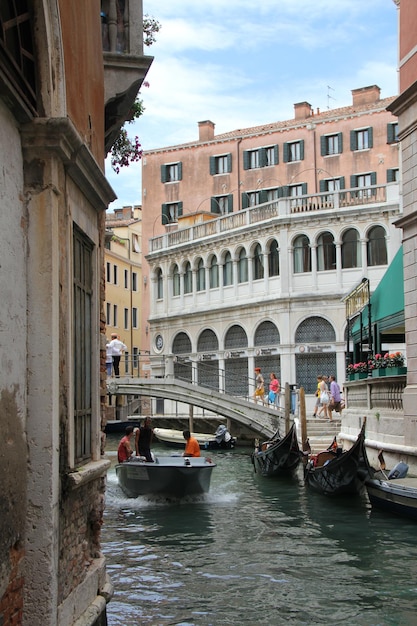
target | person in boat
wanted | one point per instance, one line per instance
(259, 393)
(192, 447)
(124, 451)
(143, 440)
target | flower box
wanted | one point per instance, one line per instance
(396, 371)
(379, 371)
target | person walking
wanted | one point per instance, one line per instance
(324, 398)
(192, 447)
(117, 347)
(259, 393)
(317, 394)
(109, 359)
(335, 403)
(274, 389)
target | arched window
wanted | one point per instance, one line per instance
(188, 278)
(235, 338)
(227, 269)
(376, 247)
(273, 259)
(207, 341)
(315, 329)
(214, 273)
(258, 263)
(326, 252)
(242, 268)
(201, 276)
(351, 250)
(159, 284)
(267, 334)
(302, 254)
(176, 281)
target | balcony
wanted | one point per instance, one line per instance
(125, 65)
(346, 200)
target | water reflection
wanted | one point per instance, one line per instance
(259, 551)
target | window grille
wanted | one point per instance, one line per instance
(315, 330)
(309, 366)
(236, 338)
(267, 334)
(181, 344)
(207, 341)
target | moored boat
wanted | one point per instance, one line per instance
(334, 472)
(277, 455)
(221, 439)
(170, 476)
(394, 492)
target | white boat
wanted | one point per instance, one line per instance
(395, 492)
(172, 476)
(221, 439)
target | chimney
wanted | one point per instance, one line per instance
(302, 110)
(205, 131)
(366, 95)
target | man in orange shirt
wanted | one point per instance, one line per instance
(192, 447)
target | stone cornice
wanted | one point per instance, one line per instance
(58, 137)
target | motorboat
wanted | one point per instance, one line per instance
(221, 439)
(171, 476)
(278, 455)
(394, 492)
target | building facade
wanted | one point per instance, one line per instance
(405, 106)
(61, 108)
(255, 237)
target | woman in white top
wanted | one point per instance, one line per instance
(118, 347)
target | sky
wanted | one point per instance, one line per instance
(241, 63)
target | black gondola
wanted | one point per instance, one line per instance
(277, 455)
(333, 472)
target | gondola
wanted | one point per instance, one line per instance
(277, 455)
(333, 472)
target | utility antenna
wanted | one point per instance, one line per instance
(329, 97)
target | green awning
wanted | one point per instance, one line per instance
(387, 301)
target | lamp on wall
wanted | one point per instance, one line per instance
(145, 280)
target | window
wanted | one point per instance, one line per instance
(392, 132)
(201, 276)
(273, 259)
(350, 249)
(294, 191)
(188, 278)
(134, 281)
(176, 281)
(115, 281)
(135, 357)
(258, 263)
(227, 269)
(134, 317)
(332, 184)
(171, 212)
(302, 254)
(293, 151)
(171, 172)
(272, 194)
(222, 204)
(159, 284)
(364, 181)
(393, 175)
(221, 164)
(108, 272)
(126, 279)
(83, 331)
(326, 252)
(376, 247)
(331, 144)
(242, 267)
(126, 319)
(214, 273)
(108, 313)
(250, 198)
(261, 157)
(135, 243)
(115, 315)
(361, 139)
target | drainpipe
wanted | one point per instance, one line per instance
(239, 203)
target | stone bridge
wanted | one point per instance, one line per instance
(262, 420)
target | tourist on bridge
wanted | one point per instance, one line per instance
(259, 393)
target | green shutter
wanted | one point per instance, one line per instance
(340, 138)
(245, 200)
(353, 143)
(304, 189)
(263, 196)
(283, 191)
(180, 170)
(323, 146)
(286, 154)
(214, 205)
(391, 133)
(276, 155)
(246, 160)
(371, 137)
(179, 209)
(353, 181)
(229, 162)
(373, 178)
(391, 173)
(323, 186)
(165, 214)
(163, 173)
(230, 203)
(212, 165)
(262, 157)
(342, 182)
(302, 150)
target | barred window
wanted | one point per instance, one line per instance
(236, 338)
(315, 330)
(267, 334)
(207, 341)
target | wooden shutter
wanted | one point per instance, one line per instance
(180, 209)
(370, 137)
(165, 214)
(212, 165)
(323, 147)
(286, 153)
(230, 202)
(340, 139)
(353, 143)
(246, 160)
(302, 150)
(163, 173)
(229, 162)
(214, 205)
(180, 170)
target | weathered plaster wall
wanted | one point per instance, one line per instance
(13, 447)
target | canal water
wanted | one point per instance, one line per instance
(256, 551)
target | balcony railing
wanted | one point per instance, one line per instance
(376, 393)
(336, 201)
(121, 26)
